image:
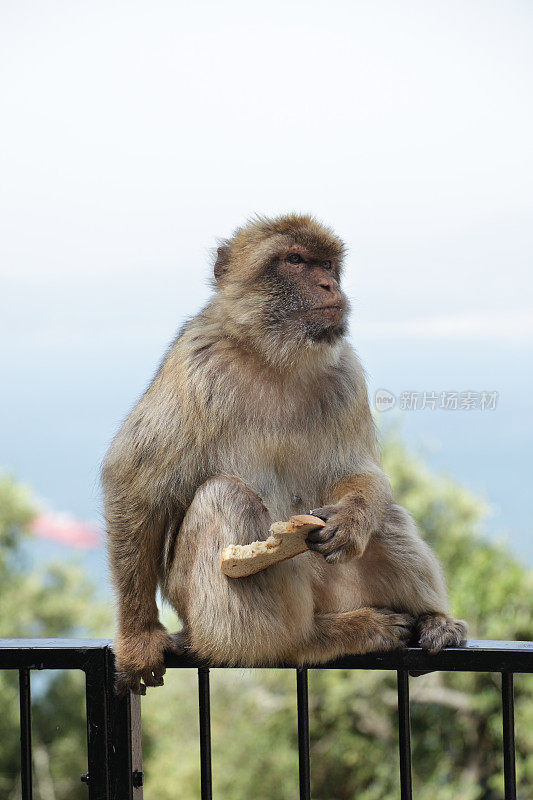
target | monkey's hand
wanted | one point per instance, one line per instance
(140, 658)
(345, 534)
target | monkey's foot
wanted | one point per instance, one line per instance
(435, 631)
(140, 659)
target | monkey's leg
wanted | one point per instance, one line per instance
(364, 630)
(247, 621)
(400, 571)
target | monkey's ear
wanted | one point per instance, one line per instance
(222, 262)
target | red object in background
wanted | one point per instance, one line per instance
(67, 530)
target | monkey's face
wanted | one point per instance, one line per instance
(304, 295)
(277, 282)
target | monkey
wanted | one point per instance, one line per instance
(259, 411)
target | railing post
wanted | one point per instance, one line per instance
(508, 736)
(302, 697)
(404, 735)
(26, 773)
(124, 740)
(113, 734)
(204, 709)
(97, 777)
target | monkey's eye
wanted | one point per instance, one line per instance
(326, 264)
(294, 258)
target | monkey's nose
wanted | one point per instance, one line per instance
(334, 293)
(329, 284)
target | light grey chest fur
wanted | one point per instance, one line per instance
(290, 445)
(289, 469)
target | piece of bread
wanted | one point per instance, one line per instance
(287, 540)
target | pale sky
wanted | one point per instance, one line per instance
(133, 134)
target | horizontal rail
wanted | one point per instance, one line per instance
(474, 656)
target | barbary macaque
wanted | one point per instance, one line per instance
(259, 411)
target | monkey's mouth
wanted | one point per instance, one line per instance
(335, 311)
(329, 317)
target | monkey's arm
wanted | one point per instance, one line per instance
(355, 505)
(136, 531)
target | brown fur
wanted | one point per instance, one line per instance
(260, 411)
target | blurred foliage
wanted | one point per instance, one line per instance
(456, 718)
(50, 600)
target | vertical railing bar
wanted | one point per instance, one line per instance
(304, 762)
(204, 708)
(404, 735)
(25, 734)
(124, 742)
(96, 694)
(509, 766)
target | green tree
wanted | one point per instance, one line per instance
(51, 601)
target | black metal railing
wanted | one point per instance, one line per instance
(114, 753)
